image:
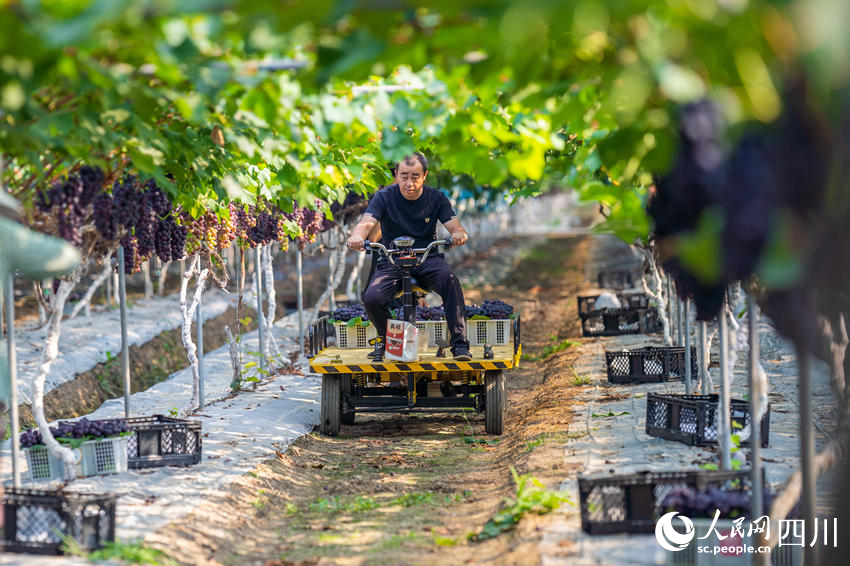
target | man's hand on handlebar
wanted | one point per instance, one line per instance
(459, 237)
(355, 242)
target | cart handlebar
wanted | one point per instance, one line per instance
(392, 254)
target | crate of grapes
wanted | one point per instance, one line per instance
(587, 303)
(99, 447)
(489, 323)
(340, 306)
(722, 510)
(38, 522)
(434, 330)
(356, 335)
(616, 279)
(652, 364)
(692, 419)
(493, 332)
(632, 503)
(163, 441)
(352, 327)
(617, 322)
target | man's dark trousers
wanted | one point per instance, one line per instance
(434, 273)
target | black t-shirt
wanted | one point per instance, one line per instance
(416, 218)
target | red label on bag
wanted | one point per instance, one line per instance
(395, 337)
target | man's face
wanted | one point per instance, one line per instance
(410, 178)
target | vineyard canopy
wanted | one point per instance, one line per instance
(224, 100)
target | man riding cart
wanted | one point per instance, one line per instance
(409, 264)
(409, 208)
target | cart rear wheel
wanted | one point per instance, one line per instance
(331, 409)
(494, 401)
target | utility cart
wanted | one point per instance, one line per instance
(352, 383)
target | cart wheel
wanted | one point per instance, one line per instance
(347, 416)
(494, 401)
(331, 405)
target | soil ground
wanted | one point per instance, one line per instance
(409, 489)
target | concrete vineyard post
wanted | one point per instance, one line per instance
(756, 502)
(300, 275)
(688, 384)
(200, 324)
(13, 379)
(807, 451)
(258, 266)
(703, 358)
(125, 347)
(724, 422)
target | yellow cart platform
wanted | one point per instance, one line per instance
(352, 384)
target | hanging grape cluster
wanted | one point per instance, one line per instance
(209, 233)
(684, 195)
(141, 217)
(310, 223)
(68, 201)
(142, 214)
(266, 223)
(137, 214)
(774, 173)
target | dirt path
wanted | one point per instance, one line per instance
(401, 489)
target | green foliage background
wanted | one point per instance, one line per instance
(504, 96)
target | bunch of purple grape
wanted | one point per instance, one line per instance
(265, 229)
(344, 314)
(497, 309)
(69, 199)
(31, 438)
(430, 313)
(732, 503)
(81, 429)
(242, 220)
(127, 201)
(266, 223)
(310, 222)
(153, 226)
(491, 309)
(145, 215)
(743, 198)
(132, 256)
(473, 310)
(323, 223)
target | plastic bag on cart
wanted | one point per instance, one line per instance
(402, 341)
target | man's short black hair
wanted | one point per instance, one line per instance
(410, 159)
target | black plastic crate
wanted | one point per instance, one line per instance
(36, 521)
(617, 279)
(691, 418)
(163, 441)
(652, 364)
(632, 503)
(616, 322)
(587, 303)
